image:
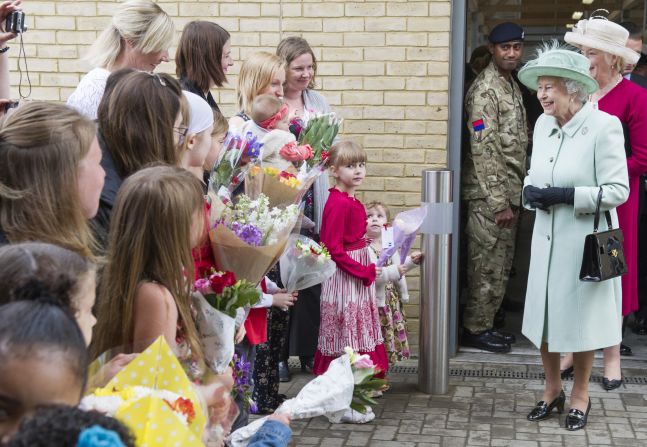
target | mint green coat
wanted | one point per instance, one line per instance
(587, 153)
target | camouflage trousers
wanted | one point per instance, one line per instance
(490, 251)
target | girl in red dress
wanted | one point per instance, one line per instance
(349, 315)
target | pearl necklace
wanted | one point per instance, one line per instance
(602, 92)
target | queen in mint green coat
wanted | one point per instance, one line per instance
(586, 153)
(578, 151)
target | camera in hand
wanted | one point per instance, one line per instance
(15, 22)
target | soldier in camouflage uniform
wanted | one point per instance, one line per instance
(492, 180)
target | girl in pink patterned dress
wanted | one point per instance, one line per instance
(349, 315)
(391, 290)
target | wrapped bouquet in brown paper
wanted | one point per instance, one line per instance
(248, 237)
(282, 188)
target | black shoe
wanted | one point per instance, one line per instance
(640, 326)
(543, 410)
(504, 336)
(575, 419)
(611, 384)
(485, 341)
(284, 372)
(566, 373)
(306, 364)
(499, 319)
(626, 350)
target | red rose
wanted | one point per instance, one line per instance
(286, 175)
(324, 155)
(220, 281)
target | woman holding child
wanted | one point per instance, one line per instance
(299, 94)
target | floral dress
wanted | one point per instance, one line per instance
(393, 321)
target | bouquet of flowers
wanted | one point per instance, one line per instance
(304, 264)
(242, 382)
(249, 236)
(329, 394)
(154, 398)
(216, 300)
(282, 188)
(405, 226)
(319, 133)
(237, 151)
(366, 384)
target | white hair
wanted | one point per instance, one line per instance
(577, 88)
(142, 23)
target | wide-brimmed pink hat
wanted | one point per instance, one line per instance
(604, 35)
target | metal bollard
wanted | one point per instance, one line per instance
(435, 293)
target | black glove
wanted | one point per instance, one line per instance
(543, 198)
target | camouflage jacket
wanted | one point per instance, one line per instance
(495, 164)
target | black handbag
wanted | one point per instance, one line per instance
(604, 257)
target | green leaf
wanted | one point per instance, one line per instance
(358, 407)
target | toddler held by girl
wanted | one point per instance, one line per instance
(391, 286)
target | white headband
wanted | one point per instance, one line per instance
(200, 113)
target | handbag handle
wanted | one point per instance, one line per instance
(607, 214)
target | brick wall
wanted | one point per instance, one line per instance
(382, 65)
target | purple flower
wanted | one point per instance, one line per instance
(253, 408)
(296, 126)
(252, 146)
(248, 233)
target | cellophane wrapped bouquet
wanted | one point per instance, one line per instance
(305, 263)
(348, 383)
(248, 235)
(238, 150)
(154, 398)
(215, 301)
(405, 226)
(329, 394)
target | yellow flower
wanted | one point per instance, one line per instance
(269, 170)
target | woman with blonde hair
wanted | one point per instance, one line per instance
(138, 37)
(604, 44)
(262, 73)
(51, 177)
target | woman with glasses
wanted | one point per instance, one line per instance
(138, 37)
(140, 122)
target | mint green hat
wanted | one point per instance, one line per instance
(560, 63)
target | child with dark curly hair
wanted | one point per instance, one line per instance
(43, 357)
(66, 426)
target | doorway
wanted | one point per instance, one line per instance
(542, 21)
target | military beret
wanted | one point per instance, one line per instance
(506, 32)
